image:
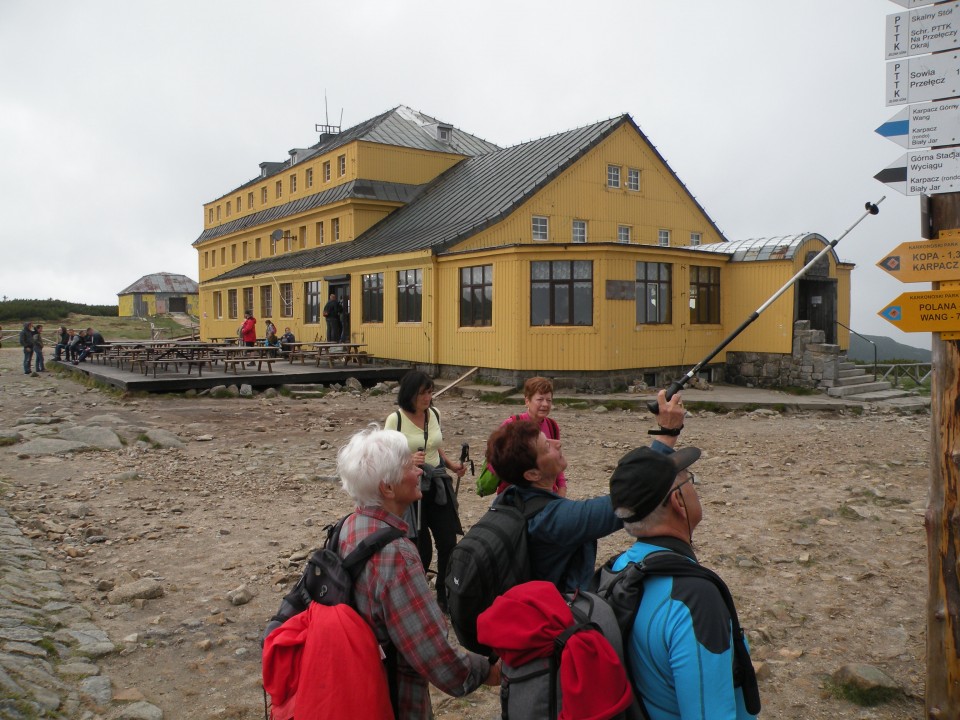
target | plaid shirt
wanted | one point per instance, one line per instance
(392, 595)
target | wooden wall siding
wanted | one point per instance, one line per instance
(581, 193)
(392, 163)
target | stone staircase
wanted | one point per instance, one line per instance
(853, 383)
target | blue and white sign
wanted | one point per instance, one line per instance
(924, 173)
(923, 125)
(930, 29)
(930, 77)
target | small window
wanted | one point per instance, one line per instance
(233, 253)
(250, 200)
(335, 228)
(309, 177)
(293, 183)
(239, 204)
(218, 213)
(256, 248)
(613, 176)
(623, 234)
(326, 171)
(232, 303)
(210, 215)
(320, 233)
(244, 250)
(218, 305)
(223, 255)
(311, 301)
(539, 227)
(229, 208)
(248, 298)
(286, 300)
(579, 231)
(633, 179)
(279, 189)
(663, 238)
(695, 238)
(266, 300)
(302, 237)
(206, 258)
(341, 165)
(263, 195)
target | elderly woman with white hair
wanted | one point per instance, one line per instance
(376, 469)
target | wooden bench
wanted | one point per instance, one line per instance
(347, 357)
(199, 363)
(301, 355)
(155, 363)
(241, 362)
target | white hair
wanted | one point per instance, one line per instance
(641, 527)
(371, 457)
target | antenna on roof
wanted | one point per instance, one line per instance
(327, 131)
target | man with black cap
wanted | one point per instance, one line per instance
(682, 648)
(562, 537)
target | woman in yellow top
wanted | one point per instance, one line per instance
(419, 422)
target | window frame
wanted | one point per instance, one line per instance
(613, 176)
(286, 300)
(218, 304)
(335, 229)
(554, 285)
(232, 304)
(266, 300)
(696, 238)
(624, 234)
(540, 228)
(326, 171)
(293, 183)
(633, 179)
(248, 298)
(705, 287)
(371, 298)
(663, 237)
(656, 289)
(341, 165)
(410, 295)
(476, 296)
(312, 302)
(574, 234)
(308, 179)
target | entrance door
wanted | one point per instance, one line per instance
(178, 305)
(817, 302)
(342, 289)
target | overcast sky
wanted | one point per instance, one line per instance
(119, 119)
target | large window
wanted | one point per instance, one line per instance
(218, 305)
(579, 231)
(653, 293)
(286, 300)
(476, 296)
(409, 295)
(561, 292)
(540, 228)
(266, 300)
(373, 298)
(232, 303)
(704, 295)
(248, 299)
(311, 295)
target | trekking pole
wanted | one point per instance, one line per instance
(464, 458)
(677, 385)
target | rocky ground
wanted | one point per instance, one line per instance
(135, 579)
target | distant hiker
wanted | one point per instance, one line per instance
(38, 349)
(26, 342)
(75, 344)
(285, 340)
(377, 470)
(269, 329)
(682, 650)
(332, 311)
(92, 343)
(63, 337)
(248, 331)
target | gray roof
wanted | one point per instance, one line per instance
(163, 283)
(469, 197)
(783, 247)
(361, 189)
(401, 126)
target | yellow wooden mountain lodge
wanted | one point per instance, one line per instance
(579, 254)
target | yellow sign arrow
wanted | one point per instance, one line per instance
(924, 261)
(934, 311)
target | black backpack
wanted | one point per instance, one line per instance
(489, 560)
(623, 591)
(328, 579)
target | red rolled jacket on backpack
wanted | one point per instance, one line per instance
(521, 626)
(336, 655)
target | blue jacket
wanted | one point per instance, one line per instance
(681, 647)
(563, 536)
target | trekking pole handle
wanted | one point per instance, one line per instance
(675, 387)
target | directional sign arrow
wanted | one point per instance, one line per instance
(931, 29)
(931, 77)
(924, 173)
(917, 126)
(936, 311)
(924, 261)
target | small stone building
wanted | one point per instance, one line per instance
(158, 294)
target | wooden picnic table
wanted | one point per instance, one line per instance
(236, 356)
(346, 351)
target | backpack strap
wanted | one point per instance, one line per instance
(368, 547)
(399, 420)
(554, 428)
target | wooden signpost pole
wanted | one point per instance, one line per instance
(942, 518)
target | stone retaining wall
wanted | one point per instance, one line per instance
(812, 364)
